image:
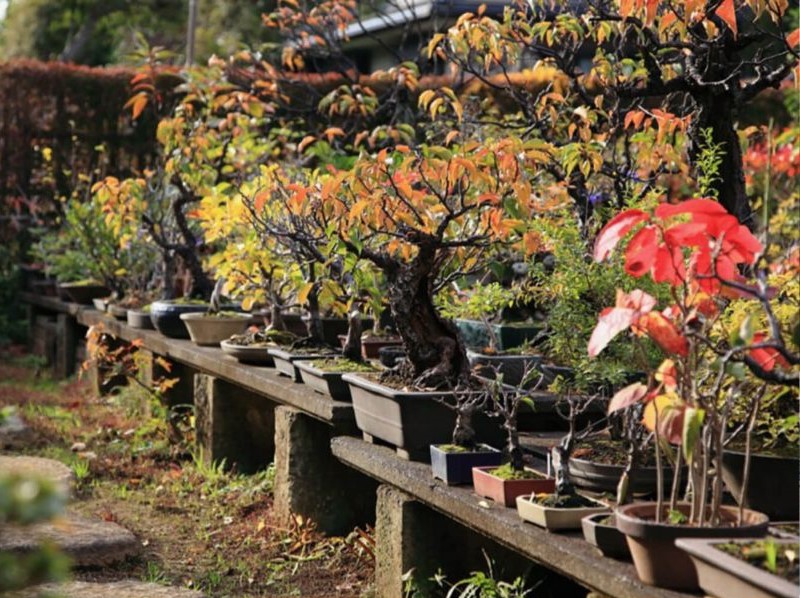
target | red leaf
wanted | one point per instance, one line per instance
(641, 252)
(627, 396)
(611, 322)
(616, 228)
(668, 266)
(708, 207)
(727, 12)
(664, 333)
(766, 357)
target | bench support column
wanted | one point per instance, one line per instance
(66, 339)
(311, 482)
(413, 540)
(233, 424)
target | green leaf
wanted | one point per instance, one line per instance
(692, 429)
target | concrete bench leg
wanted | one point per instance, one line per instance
(233, 424)
(415, 541)
(66, 340)
(311, 482)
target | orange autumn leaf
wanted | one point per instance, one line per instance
(727, 12)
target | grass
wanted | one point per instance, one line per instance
(201, 525)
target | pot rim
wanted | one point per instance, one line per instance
(638, 527)
(198, 316)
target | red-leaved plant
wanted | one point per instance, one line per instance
(708, 259)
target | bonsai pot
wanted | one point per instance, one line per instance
(138, 318)
(249, 354)
(371, 345)
(725, 576)
(605, 536)
(411, 421)
(505, 492)
(82, 292)
(557, 518)
(604, 477)
(455, 466)
(658, 561)
(390, 356)
(512, 367)
(286, 361)
(166, 316)
(332, 327)
(210, 329)
(509, 335)
(120, 313)
(323, 381)
(777, 500)
(100, 304)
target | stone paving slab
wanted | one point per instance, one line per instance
(119, 589)
(88, 542)
(14, 433)
(60, 474)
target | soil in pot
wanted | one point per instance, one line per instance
(658, 561)
(285, 359)
(453, 464)
(504, 484)
(745, 568)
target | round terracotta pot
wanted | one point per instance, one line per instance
(658, 561)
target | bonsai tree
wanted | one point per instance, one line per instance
(425, 218)
(619, 76)
(700, 251)
(95, 242)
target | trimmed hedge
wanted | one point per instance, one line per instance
(71, 110)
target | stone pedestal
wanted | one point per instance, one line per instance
(233, 424)
(311, 482)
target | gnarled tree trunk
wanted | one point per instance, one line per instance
(433, 344)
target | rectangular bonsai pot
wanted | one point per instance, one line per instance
(509, 335)
(505, 492)
(322, 381)
(408, 420)
(555, 518)
(723, 575)
(285, 362)
(456, 467)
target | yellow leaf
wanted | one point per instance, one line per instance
(302, 295)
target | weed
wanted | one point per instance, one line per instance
(155, 574)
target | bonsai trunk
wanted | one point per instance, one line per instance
(314, 322)
(276, 317)
(433, 345)
(352, 346)
(201, 285)
(717, 112)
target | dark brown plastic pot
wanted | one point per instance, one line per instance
(505, 492)
(658, 561)
(605, 536)
(323, 381)
(779, 500)
(410, 421)
(723, 575)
